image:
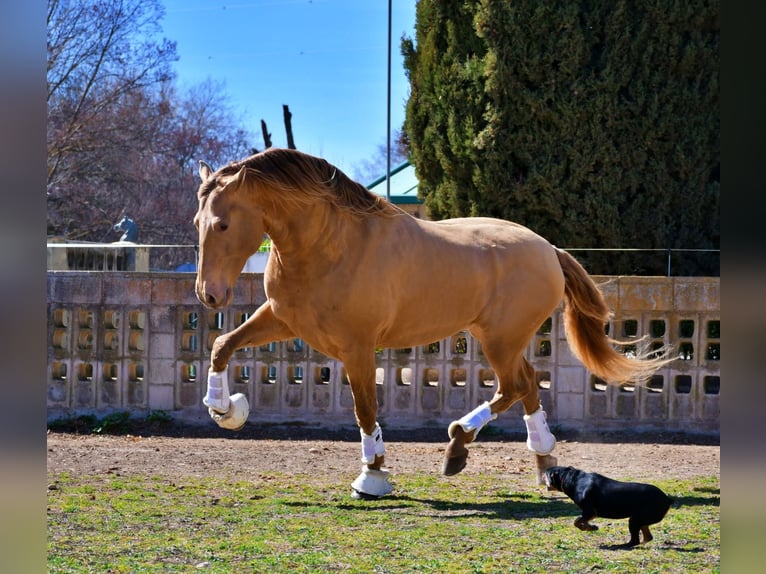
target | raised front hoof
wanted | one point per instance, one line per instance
(236, 417)
(371, 484)
(543, 462)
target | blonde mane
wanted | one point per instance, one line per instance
(302, 179)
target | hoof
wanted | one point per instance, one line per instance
(454, 460)
(356, 495)
(456, 455)
(543, 463)
(236, 417)
(371, 484)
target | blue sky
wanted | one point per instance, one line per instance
(325, 59)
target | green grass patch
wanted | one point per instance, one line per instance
(297, 523)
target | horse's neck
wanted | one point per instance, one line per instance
(315, 236)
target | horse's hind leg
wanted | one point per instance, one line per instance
(516, 381)
(540, 439)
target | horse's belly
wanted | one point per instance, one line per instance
(440, 295)
(427, 322)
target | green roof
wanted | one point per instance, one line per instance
(404, 184)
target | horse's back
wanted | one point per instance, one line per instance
(481, 232)
(488, 245)
(441, 277)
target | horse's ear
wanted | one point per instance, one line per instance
(205, 171)
(241, 175)
(233, 184)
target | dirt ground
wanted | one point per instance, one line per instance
(204, 451)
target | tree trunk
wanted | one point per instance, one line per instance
(288, 127)
(266, 135)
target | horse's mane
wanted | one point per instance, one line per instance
(301, 178)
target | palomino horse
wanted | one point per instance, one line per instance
(349, 272)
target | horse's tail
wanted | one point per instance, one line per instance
(585, 315)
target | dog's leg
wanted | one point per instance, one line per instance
(634, 528)
(647, 535)
(583, 523)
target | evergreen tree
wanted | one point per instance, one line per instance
(595, 124)
(446, 107)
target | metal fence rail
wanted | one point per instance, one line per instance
(176, 257)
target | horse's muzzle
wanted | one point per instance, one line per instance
(212, 298)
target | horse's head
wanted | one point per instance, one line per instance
(128, 226)
(230, 229)
(121, 224)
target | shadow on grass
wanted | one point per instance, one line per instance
(696, 501)
(659, 546)
(510, 507)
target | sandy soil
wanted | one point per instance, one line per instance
(204, 451)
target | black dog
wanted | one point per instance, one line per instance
(597, 495)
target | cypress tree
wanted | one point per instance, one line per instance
(596, 124)
(446, 106)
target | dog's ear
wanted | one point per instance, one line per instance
(552, 472)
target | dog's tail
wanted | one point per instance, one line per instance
(585, 316)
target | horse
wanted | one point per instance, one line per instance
(129, 229)
(349, 272)
(129, 235)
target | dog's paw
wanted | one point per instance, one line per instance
(586, 526)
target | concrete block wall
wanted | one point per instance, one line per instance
(140, 342)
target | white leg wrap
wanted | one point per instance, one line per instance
(372, 445)
(217, 397)
(539, 437)
(475, 420)
(229, 412)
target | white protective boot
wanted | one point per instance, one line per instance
(229, 412)
(540, 439)
(372, 483)
(475, 420)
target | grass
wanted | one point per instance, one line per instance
(297, 523)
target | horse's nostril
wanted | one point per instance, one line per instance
(210, 299)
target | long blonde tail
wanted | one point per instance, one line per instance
(585, 315)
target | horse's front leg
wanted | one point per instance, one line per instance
(231, 412)
(261, 328)
(373, 480)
